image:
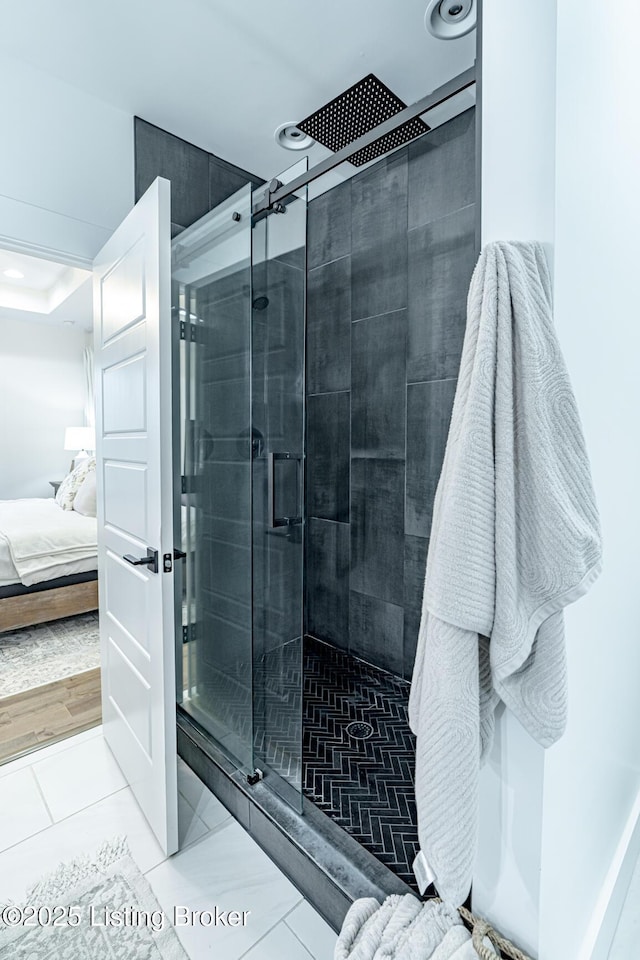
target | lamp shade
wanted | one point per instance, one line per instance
(79, 438)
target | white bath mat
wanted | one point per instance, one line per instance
(95, 890)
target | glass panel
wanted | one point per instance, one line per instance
(212, 299)
(240, 298)
(279, 275)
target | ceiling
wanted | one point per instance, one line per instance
(224, 74)
(38, 276)
(221, 74)
(47, 291)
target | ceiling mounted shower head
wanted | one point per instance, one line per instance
(450, 19)
(260, 303)
(355, 112)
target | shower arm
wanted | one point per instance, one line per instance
(277, 194)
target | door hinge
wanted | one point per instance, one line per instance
(188, 484)
(188, 331)
(189, 632)
(255, 777)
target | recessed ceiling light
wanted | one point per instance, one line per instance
(288, 136)
(448, 19)
(14, 274)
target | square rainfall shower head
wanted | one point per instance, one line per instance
(355, 112)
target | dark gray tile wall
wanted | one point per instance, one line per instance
(390, 256)
(427, 403)
(441, 257)
(199, 180)
(378, 386)
(328, 323)
(379, 238)
(415, 563)
(223, 456)
(329, 456)
(377, 527)
(327, 568)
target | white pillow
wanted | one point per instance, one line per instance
(72, 482)
(85, 500)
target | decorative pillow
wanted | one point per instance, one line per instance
(72, 482)
(85, 501)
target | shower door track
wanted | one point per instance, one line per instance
(276, 193)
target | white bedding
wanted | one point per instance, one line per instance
(41, 541)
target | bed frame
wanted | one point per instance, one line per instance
(22, 606)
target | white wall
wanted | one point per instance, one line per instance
(518, 60)
(66, 181)
(518, 65)
(41, 393)
(557, 823)
(592, 776)
(66, 164)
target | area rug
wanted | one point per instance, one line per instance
(51, 651)
(96, 890)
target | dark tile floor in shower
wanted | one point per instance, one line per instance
(359, 753)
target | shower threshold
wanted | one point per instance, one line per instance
(329, 867)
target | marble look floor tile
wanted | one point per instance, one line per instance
(190, 826)
(200, 799)
(22, 809)
(314, 932)
(75, 778)
(228, 869)
(117, 815)
(279, 944)
(49, 751)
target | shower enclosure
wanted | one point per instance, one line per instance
(239, 290)
(318, 359)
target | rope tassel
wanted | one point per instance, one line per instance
(480, 929)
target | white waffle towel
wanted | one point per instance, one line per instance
(403, 928)
(515, 538)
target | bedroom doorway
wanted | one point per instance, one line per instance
(49, 639)
(136, 513)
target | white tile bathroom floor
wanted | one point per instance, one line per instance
(68, 798)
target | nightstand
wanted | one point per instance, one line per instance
(55, 484)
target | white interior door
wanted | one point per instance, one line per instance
(132, 322)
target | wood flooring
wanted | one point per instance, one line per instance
(48, 713)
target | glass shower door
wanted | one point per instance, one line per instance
(278, 417)
(212, 303)
(239, 296)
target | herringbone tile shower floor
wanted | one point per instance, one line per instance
(358, 751)
(365, 785)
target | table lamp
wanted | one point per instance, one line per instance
(81, 439)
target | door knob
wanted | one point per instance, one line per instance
(151, 560)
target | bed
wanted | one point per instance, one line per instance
(48, 562)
